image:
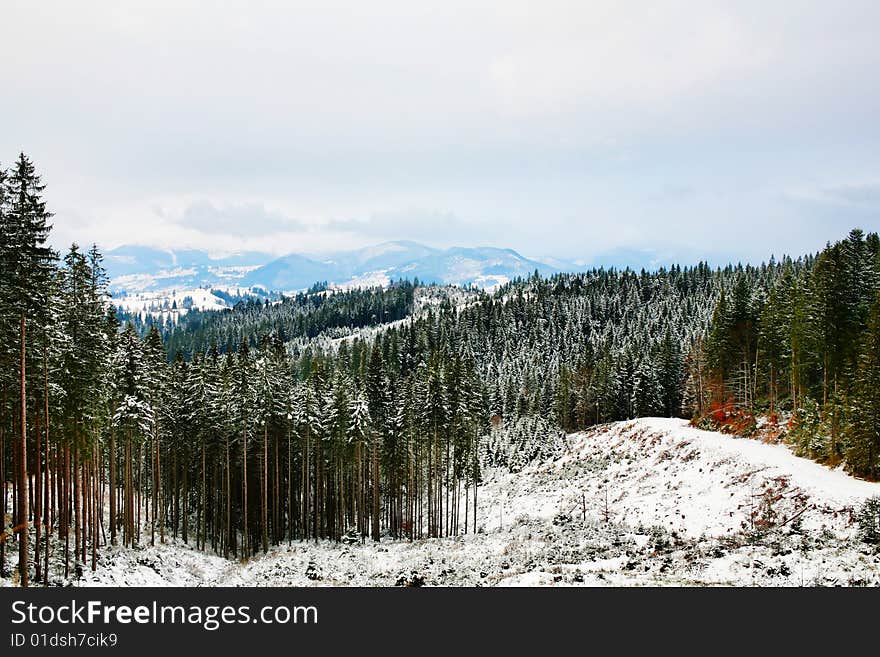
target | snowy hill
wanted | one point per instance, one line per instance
(646, 502)
(174, 304)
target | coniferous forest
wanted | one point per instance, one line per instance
(358, 415)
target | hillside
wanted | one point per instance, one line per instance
(645, 502)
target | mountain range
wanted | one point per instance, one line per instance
(142, 269)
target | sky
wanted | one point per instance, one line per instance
(585, 130)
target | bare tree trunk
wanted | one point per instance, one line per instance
(111, 465)
(160, 498)
(154, 490)
(289, 490)
(359, 499)
(86, 506)
(65, 511)
(203, 510)
(317, 511)
(37, 500)
(244, 503)
(138, 489)
(305, 476)
(95, 508)
(77, 518)
(185, 512)
(46, 514)
(265, 510)
(476, 473)
(3, 495)
(772, 390)
(22, 471)
(375, 487)
(228, 502)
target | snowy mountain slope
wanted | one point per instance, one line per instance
(172, 305)
(695, 482)
(647, 502)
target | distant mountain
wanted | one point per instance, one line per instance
(143, 268)
(137, 269)
(483, 267)
(291, 272)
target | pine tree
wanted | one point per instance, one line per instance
(27, 264)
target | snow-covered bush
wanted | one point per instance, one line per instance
(807, 433)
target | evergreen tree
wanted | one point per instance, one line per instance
(863, 449)
(27, 265)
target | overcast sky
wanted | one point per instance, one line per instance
(688, 130)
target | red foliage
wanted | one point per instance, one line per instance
(726, 417)
(720, 409)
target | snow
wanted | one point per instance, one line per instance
(646, 502)
(370, 279)
(232, 272)
(158, 304)
(490, 283)
(704, 482)
(143, 281)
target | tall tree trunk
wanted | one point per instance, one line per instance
(290, 507)
(47, 509)
(476, 476)
(65, 508)
(306, 492)
(772, 390)
(359, 501)
(244, 503)
(200, 529)
(316, 526)
(3, 496)
(96, 512)
(22, 470)
(111, 465)
(184, 515)
(265, 509)
(375, 487)
(160, 497)
(77, 519)
(38, 567)
(138, 490)
(154, 488)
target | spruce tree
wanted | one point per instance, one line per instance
(27, 265)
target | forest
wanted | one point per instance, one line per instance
(344, 416)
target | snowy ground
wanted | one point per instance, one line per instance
(649, 502)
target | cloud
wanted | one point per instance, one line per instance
(237, 219)
(851, 195)
(564, 127)
(441, 228)
(599, 58)
(861, 194)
